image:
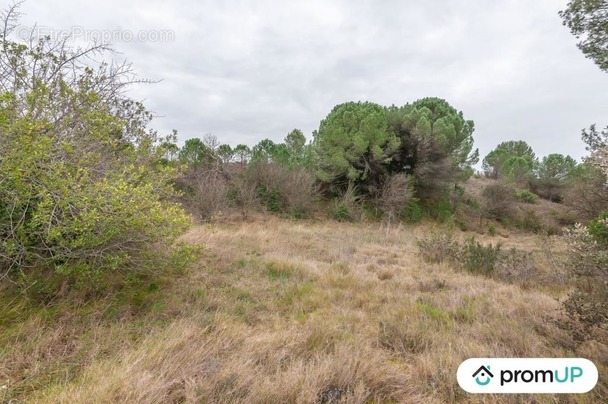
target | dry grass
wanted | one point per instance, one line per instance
(284, 311)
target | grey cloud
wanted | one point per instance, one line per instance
(247, 70)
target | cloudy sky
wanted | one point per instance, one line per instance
(248, 70)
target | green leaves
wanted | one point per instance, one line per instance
(514, 160)
(353, 143)
(82, 191)
(587, 20)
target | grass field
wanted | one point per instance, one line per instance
(293, 311)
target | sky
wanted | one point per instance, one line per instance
(248, 70)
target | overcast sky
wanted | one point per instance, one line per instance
(248, 70)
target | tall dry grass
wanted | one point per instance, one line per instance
(283, 311)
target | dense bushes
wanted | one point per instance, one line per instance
(587, 304)
(83, 187)
(471, 255)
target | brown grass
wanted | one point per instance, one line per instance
(284, 311)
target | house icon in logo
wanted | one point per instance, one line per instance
(483, 372)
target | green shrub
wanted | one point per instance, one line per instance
(412, 212)
(339, 211)
(477, 258)
(441, 210)
(84, 191)
(598, 229)
(525, 196)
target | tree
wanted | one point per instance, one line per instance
(552, 175)
(268, 151)
(436, 143)
(295, 142)
(225, 152)
(514, 160)
(196, 154)
(353, 144)
(587, 20)
(243, 152)
(83, 191)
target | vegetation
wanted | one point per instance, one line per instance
(587, 21)
(513, 160)
(108, 294)
(83, 191)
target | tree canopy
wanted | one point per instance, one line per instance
(588, 21)
(513, 160)
(365, 143)
(354, 144)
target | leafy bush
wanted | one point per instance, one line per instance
(438, 247)
(441, 209)
(83, 192)
(598, 229)
(525, 196)
(477, 258)
(412, 212)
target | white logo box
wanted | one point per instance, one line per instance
(527, 375)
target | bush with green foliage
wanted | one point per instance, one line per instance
(525, 196)
(478, 258)
(84, 186)
(347, 206)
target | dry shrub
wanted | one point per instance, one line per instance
(587, 305)
(284, 190)
(396, 193)
(587, 196)
(301, 192)
(209, 194)
(437, 247)
(243, 195)
(347, 206)
(498, 201)
(516, 266)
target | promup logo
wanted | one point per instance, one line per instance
(527, 375)
(485, 374)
